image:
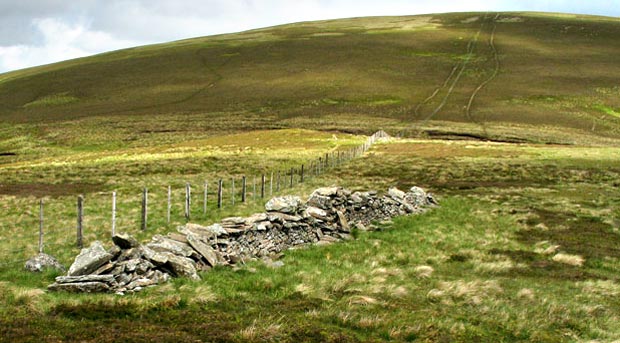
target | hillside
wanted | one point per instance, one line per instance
(506, 76)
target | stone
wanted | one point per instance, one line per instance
(124, 241)
(80, 287)
(285, 204)
(104, 269)
(85, 278)
(203, 231)
(89, 260)
(233, 221)
(255, 218)
(42, 262)
(283, 217)
(326, 191)
(177, 237)
(154, 256)
(342, 220)
(397, 194)
(163, 244)
(115, 251)
(418, 196)
(320, 201)
(203, 249)
(182, 266)
(130, 254)
(317, 213)
(140, 283)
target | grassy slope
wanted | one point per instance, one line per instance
(554, 71)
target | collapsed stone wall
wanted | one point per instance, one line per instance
(327, 216)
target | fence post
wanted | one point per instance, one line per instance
(80, 217)
(188, 201)
(243, 188)
(219, 193)
(302, 174)
(41, 226)
(232, 190)
(278, 183)
(291, 177)
(113, 213)
(254, 189)
(271, 185)
(145, 205)
(262, 187)
(169, 208)
(205, 198)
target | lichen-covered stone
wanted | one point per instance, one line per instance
(42, 262)
(89, 260)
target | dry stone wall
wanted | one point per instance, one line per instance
(327, 216)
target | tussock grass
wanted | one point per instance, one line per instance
(573, 260)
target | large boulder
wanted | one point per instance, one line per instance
(89, 260)
(43, 261)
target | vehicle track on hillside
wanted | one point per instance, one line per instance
(471, 46)
(452, 79)
(490, 78)
(216, 77)
(432, 96)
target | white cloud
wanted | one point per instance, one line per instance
(60, 41)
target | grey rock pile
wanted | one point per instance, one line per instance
(42, 262)
(329, 215)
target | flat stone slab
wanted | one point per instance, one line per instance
(85, 278)
(80, 287)
(89, 260)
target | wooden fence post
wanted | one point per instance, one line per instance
(262, 187)
(145, 210)
(271, 185)
(80, 217)
(113, 213)
(254, 189)
(219, 193)
(243, 188)
(188, 201)
(205, 198)
(278, 183)
(291, 177)
(41, 226)
(232, 190)
(302, 174)
(169, 208)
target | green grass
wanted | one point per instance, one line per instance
(608, 110)
(52, 100)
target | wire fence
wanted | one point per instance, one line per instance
(159, 206)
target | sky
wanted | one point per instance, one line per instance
(35, 32)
